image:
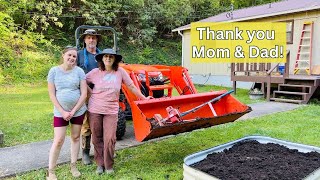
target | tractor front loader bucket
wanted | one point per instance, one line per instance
(227, 109)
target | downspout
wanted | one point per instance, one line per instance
(179, 32)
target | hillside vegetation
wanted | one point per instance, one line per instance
(33, 32)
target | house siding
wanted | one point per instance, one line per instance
(224, 68)
(201, 68)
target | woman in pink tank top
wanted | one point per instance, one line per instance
(104, 105)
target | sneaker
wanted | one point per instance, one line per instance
(109, 171)
(74, 171)
(99, 170)
(51, 175)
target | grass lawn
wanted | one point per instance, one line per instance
(27, 112)
(241, 94)
(163, 159)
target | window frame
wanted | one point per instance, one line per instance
(292, 29)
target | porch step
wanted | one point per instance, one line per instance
(301, 81)
(294, 88)
(292, 95)
(289, 92)
(287, 100)
(298, 89)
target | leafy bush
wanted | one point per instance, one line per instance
(21, 59)
(27, 56)
(30, 67)
(160, 52)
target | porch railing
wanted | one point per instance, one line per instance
(258, 72)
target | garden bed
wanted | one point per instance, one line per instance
(257, 158)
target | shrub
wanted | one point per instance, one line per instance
(21, 59)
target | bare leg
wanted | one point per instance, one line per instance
(75, 142)
(75, 146)
(59, 136)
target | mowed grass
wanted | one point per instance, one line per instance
(164, 159)
(27, 112)
(153, 160)
(241, 94)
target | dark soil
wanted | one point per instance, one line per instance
(252, 160)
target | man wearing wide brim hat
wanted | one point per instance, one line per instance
(90, 32)
(86, 60)
(86, 56)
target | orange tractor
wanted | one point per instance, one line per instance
(177, 106)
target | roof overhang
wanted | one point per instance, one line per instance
(187, 27)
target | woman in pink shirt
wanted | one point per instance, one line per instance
(104, 105)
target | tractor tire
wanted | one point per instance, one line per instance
(121, 126)
(127, 111)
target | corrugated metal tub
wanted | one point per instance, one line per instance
(190, 173)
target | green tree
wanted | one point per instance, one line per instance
(36, 15)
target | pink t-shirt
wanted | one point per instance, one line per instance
(106, 90)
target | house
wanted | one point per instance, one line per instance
(295, 13)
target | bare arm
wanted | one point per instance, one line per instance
(132, 87)
(136, 92)
(53, 98)
(82, 99)
(89, 91)
(88, 82)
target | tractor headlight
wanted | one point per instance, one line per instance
(142, 77)
(159, 77)
(152, 77)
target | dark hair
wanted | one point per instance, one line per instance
(114, 66)
(66, 49)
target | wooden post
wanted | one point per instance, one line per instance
(233, 69)
(235, 87)
(263, 89)
(268, 86)
(287, 64)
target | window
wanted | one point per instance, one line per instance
(289, 32)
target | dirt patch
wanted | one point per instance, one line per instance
(250, 160)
